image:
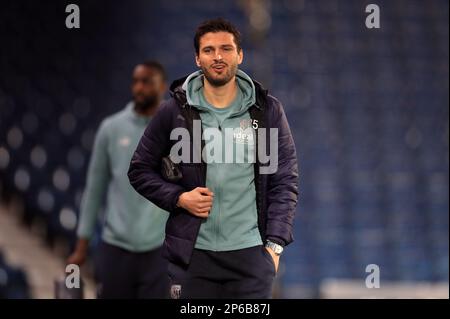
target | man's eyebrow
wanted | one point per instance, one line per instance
(222, 46)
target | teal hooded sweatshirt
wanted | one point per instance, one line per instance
(230, 151)
(130, 221)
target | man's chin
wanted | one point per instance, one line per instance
(218, 81)
(139, 105)
(142, 106)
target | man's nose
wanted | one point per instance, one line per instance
(138, 86)
(218, 56)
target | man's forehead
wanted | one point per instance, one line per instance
(217, 38)
(142, 70)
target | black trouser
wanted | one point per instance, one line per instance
(129, 275)
(243, 273)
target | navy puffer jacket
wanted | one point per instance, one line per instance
(276, 193)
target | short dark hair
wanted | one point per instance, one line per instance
(158, 67)
(216, 25)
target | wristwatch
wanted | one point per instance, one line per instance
(277, 249)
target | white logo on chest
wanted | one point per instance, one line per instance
(244, 133)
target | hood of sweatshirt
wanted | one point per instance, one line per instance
(194, 83)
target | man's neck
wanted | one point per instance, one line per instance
(147, 112)
(220, 96)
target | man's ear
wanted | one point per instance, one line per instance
(241, 56)
(197, 60)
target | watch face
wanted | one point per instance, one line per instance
(277, 249)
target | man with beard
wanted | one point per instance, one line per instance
(129, 263)
(229, 219)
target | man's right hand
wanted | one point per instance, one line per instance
(198, 201)
(78, 257)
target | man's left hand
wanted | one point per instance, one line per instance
(276, 259)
